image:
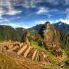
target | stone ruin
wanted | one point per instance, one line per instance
(25, 50)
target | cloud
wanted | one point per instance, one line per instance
(43, 22)
(3, 20)
(29, 4)
(42, 10)
(46, 11)
(14, 25)
(54, 2)
(33, 3)
(40, 22)
(13, 12)
(10, 11)
(62, 20)
(25, 3)
(66, 2)
(67, 13)
(10, 24)
(50, 9)
(66, 20)
(6, 8)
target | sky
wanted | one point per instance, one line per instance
(28, 13)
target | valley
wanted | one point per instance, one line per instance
(36, 50)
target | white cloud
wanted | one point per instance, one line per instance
(46, 11)
(42, 10)
(63, 20)
(21, 24)
(4, 21)
(13, 12)
(66, 20)
(14, 25)
(1, 10)
(10, 11)
(67, 13)
(26, 3)
(40, 22)
(32, 3)
(9, 8)
(43, 22)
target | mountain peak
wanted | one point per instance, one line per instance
(47, 22)
(62, 23)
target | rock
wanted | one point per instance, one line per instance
(51, 38)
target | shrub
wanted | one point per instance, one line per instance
(67, 62)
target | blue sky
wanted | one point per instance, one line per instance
(28, 13)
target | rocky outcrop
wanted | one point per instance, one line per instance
(51, 38)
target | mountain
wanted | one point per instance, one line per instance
(15, 34)
(10, 33)
(62, 27)
(51, 37)
(44, 44)
(20, 32)
(59, 34)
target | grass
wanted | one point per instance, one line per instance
(54, 60)
(8, 63)
(35, 44)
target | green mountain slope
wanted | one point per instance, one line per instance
(9, 33)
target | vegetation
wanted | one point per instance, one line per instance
(42, 48)
(67, 62)
(35, 44)
(8, 63)
(9, 33)
(47, 39)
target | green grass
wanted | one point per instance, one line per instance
(54, 60)
(36, 45)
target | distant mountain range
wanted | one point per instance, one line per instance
(10, 33)
(60, 26)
